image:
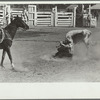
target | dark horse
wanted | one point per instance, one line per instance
(9, 33)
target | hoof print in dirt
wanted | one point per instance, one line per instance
(39, 74)
(14, 70)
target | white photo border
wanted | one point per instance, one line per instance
(66, 90)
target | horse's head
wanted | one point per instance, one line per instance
(20, 23)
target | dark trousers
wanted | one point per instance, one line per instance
(63, 52)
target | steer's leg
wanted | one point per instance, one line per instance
(86, 41)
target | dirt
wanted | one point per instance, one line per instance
(33, 51)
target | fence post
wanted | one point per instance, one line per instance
(32, 13)
(72, 20)
(9, 13)
(52, 19)
(35, 15)
(4, 15)
(56, 18)
(89, 9)
(74, 16)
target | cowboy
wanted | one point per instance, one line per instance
(65, 49)
(2, 35)
(89, 20)
(11, 17)
(25, 15)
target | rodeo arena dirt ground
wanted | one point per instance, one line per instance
(32, 52)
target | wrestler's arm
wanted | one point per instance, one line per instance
(68, 45)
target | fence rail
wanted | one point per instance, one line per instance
(44, 19)
(14, 13)
(64, 19)
(35, 18)
(1, 17)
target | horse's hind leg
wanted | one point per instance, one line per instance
(3, 57)
(10, 57)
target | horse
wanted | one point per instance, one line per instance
(8, 35)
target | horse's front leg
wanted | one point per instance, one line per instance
(10, 56)
(3, 57)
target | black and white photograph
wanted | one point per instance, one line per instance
(49, 42)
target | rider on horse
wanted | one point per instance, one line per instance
(2, 35)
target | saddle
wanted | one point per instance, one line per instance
(2, 35)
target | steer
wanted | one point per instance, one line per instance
(77, 35)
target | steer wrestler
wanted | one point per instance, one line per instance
(66, 47)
